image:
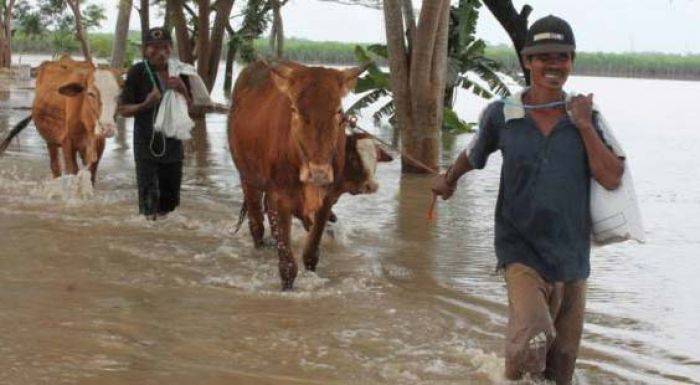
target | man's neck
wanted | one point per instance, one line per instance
(158, 68)
(536, 95)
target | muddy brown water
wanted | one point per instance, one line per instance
(90, 293)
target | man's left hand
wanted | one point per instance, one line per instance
(176, 83)
(581, 110)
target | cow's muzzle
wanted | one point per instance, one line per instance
(315, 174)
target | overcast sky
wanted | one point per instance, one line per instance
(599, 25)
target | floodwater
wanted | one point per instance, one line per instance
(90, 293)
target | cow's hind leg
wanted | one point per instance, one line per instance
(253, 202)
(280, 216)
(55, 162)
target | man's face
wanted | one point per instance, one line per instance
(549, 70)
(158, 53)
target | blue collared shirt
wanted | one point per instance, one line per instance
(543, 208)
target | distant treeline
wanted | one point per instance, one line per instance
(641, 65)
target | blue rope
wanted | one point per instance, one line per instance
(534, 106)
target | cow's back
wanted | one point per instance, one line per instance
(259, 129)
(50, 108)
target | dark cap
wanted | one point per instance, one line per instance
(158, 35)
(549, 34)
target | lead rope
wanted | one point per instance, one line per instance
(153, 118)
(352, 122)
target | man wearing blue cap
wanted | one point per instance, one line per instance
(158, 158)
(551, 146)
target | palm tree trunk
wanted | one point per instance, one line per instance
(145, 17)
(418, 79)
(80, 30)
(121, 34)
(6, 35)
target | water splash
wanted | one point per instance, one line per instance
(67, 188)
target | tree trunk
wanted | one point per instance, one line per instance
(418, 79)
(203, 41)
(145, 16)
(223, 12)
(184, 45)
(121, 34)
(230, 58)
(515, 25)
(168, 17)
(277, 31)
(6, 35)
(79, 30)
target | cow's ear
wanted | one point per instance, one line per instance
(383, 156)
(71, 89)
(282, 77)
(349, 77)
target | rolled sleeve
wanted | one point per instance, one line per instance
(485, 142)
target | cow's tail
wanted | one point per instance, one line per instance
(241, 217)
(13, 132)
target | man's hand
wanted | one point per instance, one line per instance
(442, 187)
(581, 110)
(152, 99)
(176, 83)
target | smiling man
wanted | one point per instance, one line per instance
(551, 146)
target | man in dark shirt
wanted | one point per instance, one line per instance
(158, 158)
(551, 146)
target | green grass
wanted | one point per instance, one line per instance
(651, 65)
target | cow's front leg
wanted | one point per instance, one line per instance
(280, 217)
(70, 158)
(55, 162)
(99, 149)
(313, 239)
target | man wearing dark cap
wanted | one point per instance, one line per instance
(551, 145)
(158, 158)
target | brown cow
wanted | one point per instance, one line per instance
(361, 157)
(74, 109)
(287, 139)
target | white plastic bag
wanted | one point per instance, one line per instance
(173, 120)
(615, 214)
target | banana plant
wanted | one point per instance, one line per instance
(465, 56)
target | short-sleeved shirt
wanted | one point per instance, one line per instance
(136, 88)
(543, 210)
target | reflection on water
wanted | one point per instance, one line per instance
(92, 293)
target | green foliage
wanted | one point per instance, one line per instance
(452, 122)
(52, 21)
(376, 83)
(466, 55)
(642, 64)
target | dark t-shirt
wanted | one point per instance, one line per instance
(543, 209)
(136, 88)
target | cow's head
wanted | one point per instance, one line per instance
(317, 128)
(100, 90)
(361, 157)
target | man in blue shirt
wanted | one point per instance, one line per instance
(551, 147)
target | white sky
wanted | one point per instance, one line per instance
(599, 25)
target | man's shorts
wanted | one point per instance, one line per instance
(545, 321)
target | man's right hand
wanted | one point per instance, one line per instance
(152, 99)
(442, 187)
